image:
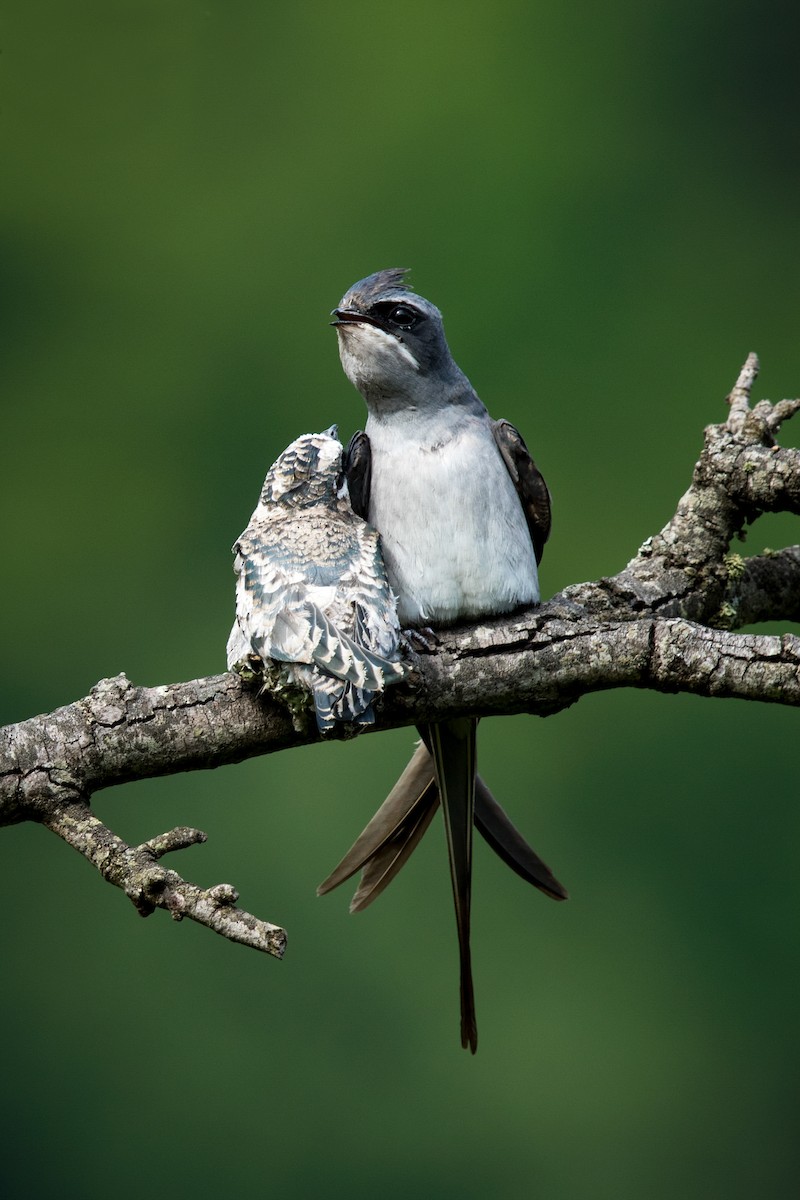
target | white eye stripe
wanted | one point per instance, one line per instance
(406, 353)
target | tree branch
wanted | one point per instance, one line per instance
(136, 870)
(666, 622)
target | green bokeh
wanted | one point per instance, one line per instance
(603, 201)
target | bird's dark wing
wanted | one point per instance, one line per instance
(358, 469)
(531, 487)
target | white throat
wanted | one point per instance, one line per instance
(373, 358)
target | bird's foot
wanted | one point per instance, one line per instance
(249, 668)
(423, 641)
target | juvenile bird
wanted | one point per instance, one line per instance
(311, 588)
(463, 514)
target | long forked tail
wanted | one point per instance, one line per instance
(452, 745)
(387, 842)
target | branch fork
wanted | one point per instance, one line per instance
(666, 622)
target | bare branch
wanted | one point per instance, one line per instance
(765, 587)
(666, 622)
(135, 869)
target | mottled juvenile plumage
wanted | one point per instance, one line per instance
(311, 589)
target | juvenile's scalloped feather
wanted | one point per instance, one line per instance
(311, 589)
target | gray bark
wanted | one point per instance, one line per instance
(667, 622)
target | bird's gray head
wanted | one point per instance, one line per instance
(391, 341)
(308, 472)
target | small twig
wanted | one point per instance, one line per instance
(778, 413)
(136, 871)
(174, 839)
(739, 398)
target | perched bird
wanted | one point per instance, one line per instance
(463, 515)
(311, 588)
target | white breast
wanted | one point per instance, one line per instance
(454, 535)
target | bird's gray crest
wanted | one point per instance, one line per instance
(369, 294)
(382, 285)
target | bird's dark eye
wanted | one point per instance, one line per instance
(403, 315)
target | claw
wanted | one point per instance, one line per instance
(423, 641)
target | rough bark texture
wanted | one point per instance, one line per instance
(666, 622)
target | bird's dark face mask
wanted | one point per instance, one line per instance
(389, 337)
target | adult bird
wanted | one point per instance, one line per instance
(463, 515)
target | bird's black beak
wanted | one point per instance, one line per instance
(346, 316)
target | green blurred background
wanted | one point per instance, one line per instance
(603, 199)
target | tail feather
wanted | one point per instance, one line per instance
(411, 789)
(387, 842)
(452, 745)
(384, 864)
(494, 825)
(444, 760)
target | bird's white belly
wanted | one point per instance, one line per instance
(454, 535)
